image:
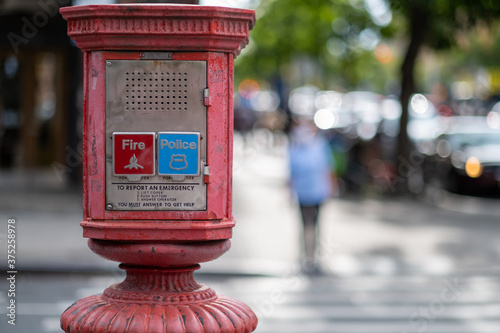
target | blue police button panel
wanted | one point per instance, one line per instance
(178, 153)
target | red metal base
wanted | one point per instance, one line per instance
(158, 300)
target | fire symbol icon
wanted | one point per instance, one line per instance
(133, 164)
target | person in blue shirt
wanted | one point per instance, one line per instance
(311, 171)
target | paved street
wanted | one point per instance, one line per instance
(390, 265)
(295, 303)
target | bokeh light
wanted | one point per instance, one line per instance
(265, 100)
(324, 119)
(473, 167)
(248, 88)
(383, 53)
(493, 120)
(419, 103)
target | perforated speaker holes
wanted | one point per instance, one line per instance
(156, 91)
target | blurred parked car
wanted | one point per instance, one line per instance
(466, 157)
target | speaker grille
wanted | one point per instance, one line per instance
(156, 91)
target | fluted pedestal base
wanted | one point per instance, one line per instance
(158, 300)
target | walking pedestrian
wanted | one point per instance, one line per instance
(311, 179)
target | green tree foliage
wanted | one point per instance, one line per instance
(324, 32)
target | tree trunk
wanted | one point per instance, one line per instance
(418, 27)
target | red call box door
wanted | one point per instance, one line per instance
(134, 153)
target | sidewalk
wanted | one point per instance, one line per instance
(358, 236)
(390, 265)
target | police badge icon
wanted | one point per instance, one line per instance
(178, 162)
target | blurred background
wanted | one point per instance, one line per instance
(407, 94)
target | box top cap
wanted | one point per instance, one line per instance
(159, 27)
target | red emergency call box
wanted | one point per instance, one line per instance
(158, 73)
(157, 166)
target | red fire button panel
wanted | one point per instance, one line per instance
(134, 154)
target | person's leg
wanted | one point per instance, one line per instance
(310, 221)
